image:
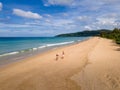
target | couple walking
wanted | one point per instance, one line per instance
(62, 57)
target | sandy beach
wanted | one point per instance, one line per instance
(89, 65)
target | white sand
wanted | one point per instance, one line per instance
(89, 65)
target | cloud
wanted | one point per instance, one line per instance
(1, 5)
(86, 4)
(47, 15)
(87, 27)
(2, 25)
(83, 18)
(59, 2)
(58, 22)
(106, 21)
(77, 15)
(109, 19)
(111, 1)
(24, 30)
(26, 14)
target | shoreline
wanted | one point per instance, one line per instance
(89, 65)
(18, 56)
(41, 43)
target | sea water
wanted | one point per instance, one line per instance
(16, 48)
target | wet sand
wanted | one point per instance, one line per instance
(90, 65)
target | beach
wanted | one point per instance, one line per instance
(89, 65)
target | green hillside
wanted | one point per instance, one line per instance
(84, 33)
(110, 34)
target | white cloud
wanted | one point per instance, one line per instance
(83, 18)
(26, 14)
(108, 19)
(14, 25)
(1, 5)
(87, 27)
(79, 15)
(62, 22)
(47, 15)
(104, 23)
(59, 2)
(65, 14)
(94, 5)
(111, 1)
(48, 20)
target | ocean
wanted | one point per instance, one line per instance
(16, 48)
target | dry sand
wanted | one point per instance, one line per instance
(89, 65)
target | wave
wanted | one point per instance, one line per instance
(36, 48)
(57, 44)
(41, 47)
(11, 53)
(25, 50)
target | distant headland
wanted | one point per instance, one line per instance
(105, 33)
(84, 33)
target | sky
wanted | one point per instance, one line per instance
(37, 18)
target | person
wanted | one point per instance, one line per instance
(57, 56)
(62, 55)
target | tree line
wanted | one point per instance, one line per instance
(114, 34)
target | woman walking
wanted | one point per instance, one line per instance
(63, 54)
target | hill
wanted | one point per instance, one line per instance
(84, 33)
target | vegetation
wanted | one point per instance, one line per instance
(84, 33)
(115, 35)
(110, 34)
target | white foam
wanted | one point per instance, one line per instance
(47, 45)
(11, 53)
(34, 48)
(78, 40)
(42, 47)
(57, 44)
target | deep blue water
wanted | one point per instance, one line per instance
(15, 44)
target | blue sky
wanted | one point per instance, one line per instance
(52, 17)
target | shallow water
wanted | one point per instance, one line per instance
(17, 48)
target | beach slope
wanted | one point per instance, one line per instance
(89, 65)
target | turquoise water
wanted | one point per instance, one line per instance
(18, 48)
(17, 44)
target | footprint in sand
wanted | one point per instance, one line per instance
(112, 82)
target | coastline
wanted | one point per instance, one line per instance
(17, 56)
(84, 62)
